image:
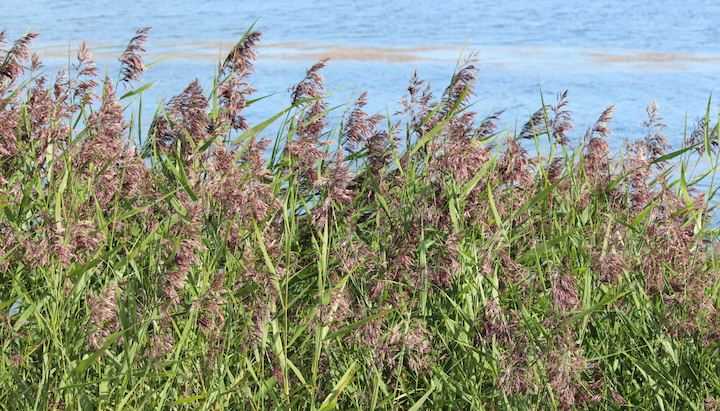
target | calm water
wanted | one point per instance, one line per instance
(605, 52)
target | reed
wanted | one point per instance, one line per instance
(432, 260)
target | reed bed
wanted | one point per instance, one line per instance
(430, 260)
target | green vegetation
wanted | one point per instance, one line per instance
(424, 262)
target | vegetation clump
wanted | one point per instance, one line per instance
(431, 261)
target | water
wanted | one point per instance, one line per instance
(604, 52)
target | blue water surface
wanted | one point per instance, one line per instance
(606, 52)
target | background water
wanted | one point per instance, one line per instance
(604, 52)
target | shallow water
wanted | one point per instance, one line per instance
(605, 52)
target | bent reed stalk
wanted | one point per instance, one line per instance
(430, 261)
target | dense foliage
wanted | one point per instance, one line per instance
(428, 261)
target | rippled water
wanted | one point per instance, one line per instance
(605, 52)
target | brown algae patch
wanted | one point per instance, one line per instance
(653, 59)
(394, 55)
(489, 55)
(299, 51)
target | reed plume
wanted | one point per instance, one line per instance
(341, 266)
(132, 65)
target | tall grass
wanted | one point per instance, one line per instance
(425, 261)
